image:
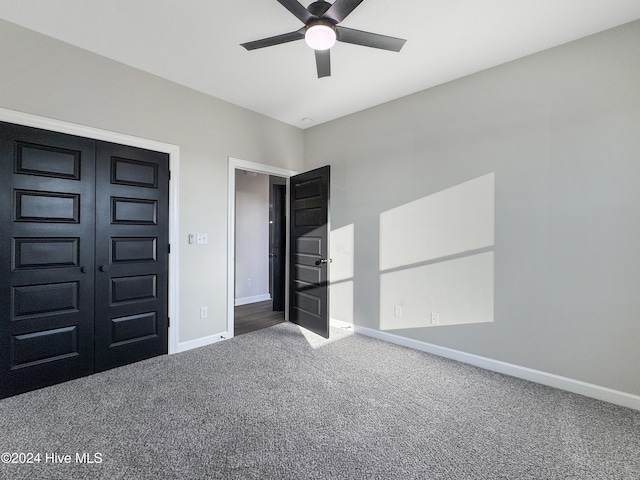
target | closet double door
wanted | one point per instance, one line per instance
(83, 256)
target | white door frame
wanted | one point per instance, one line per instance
(12, 116)
(237, 164)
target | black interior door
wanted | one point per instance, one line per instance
(132, 241)
(278, 246)
(309, 250)
(84, 256)
(46, 258)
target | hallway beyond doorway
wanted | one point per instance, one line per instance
(256, 316)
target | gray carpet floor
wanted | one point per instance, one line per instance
(279, 403)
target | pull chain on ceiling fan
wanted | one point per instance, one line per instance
(321, 31)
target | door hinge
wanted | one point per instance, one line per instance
(169, 174)
(168, 322)
(169, 248)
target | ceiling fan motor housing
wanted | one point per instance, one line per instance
(318, 8)
(321, 21)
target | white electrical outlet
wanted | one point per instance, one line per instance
(435, 318)
(204, 312)
(397, 311)
(249, 282)
(201, 239)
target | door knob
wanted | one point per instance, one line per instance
(104, 268)
(323, 261)
(83, 269)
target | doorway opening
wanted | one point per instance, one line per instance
(257, 260)
(306, 249)
(260, 246)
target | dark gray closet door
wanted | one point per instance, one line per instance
(132, 241)
(84, 256)
(46, 258)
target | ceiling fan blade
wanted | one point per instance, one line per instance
(277, 40)
(340, 9)
(297, 9)
(323, 63)
(369, 39)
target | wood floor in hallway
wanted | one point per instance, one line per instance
(255, 316)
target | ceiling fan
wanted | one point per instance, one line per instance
(321, 30)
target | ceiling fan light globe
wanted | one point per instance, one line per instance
(320, 37)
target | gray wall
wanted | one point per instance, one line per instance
(46, 77)
(560, 132)
(252, 235)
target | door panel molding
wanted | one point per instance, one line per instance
(54, 299)
(44, 123)
(56, 162)
(36, 348)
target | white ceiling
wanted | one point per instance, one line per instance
(196, 43)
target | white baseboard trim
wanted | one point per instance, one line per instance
(563, 383)
(201, 342)
(341, 324)
(257, 298)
